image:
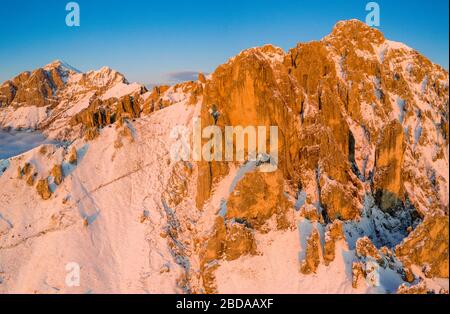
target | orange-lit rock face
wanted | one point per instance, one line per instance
(342, 105)
(256, 198)
(420, 288)
(34, 89)
(229, 240)
(333, 233)
(43, 189)
(365, 248)
(312, 259)
(388, 182)
(355, 113)
(427, 246)
(154, 101)
(159, 97)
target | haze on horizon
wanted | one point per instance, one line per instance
(151, 42)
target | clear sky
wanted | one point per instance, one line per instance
(162, 41)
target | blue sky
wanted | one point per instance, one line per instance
(159, 41)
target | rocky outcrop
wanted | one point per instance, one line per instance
(128, 107)
(427, 246)
(97, 114)
(31, 178)
(312, 255)
(365, 249)
(337, 129)
(257, 197)
(73, 156)
(163, 96)
(420, 288)
(390, 150)
(57, 174)
(408, 274)
(351, 125)
(155, 101)
(362, 126)
(250, 103)
(201, 78)
(43, 189)
(25, 170)
(334, 232)
(229, 241)
(177, 187)
(101, 113)
(35, 88)
(7, 93)
(288, 90)
(310, 212)
(357, 273)
(123, 132)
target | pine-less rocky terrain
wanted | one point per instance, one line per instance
(358, 204)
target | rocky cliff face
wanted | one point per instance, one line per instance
(358, 203)
(36, 88)
(357, 114)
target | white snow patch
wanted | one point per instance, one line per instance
(26, 117)
(121, 89)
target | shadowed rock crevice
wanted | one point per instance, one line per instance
(383, 228)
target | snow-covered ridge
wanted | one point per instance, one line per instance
(60, 64)
(269, 52)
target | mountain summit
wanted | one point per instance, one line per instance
(58, 64)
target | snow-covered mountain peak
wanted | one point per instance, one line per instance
(49, 96)
(353, 29)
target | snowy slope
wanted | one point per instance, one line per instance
(116, 252)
